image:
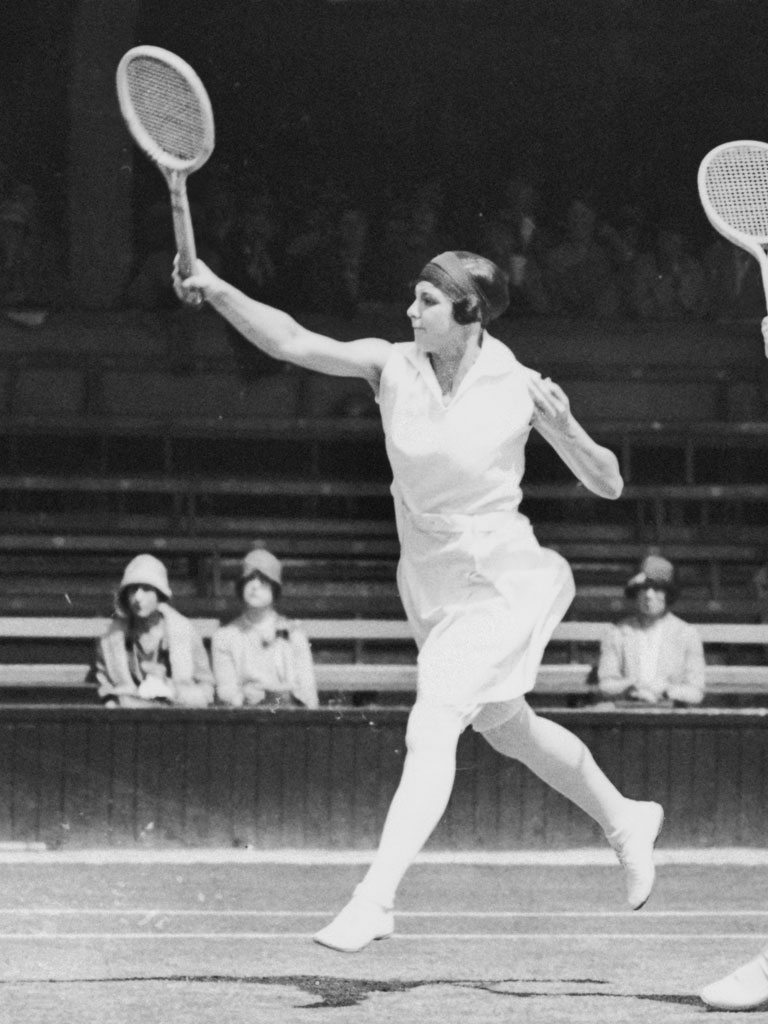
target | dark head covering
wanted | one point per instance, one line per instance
(654, 571)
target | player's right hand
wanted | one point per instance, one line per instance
(197, 284)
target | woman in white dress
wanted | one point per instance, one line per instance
(480, 593)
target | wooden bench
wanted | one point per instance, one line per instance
(566, 678)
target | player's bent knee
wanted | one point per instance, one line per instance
(432, 728)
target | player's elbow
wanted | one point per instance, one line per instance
(615, 488)
(608, 484)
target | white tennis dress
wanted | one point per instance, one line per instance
(480, 593)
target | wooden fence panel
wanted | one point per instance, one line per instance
(84, 777)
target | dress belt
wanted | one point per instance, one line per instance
(486, 522)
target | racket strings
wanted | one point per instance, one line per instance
(167, 107)
(737, 187)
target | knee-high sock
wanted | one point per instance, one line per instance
(561, 760)
(419, 802)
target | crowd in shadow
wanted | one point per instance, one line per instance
(318, 248)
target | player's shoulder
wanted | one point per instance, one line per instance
(499, 358)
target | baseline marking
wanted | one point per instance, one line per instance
(582, 857)
(151, 912)
(442, 937)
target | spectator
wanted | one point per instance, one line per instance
(512, 238)
(150, 287)
(652, 656)
(412, 232)
(254, 244)
(324, 256)
(626, 237)
(31, 274)
(669, 283)
(261, 657)
(353, 240)
(151, 653)
(579, 275)
(734, 283)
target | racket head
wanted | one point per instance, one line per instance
(166, 108)
(733, 189)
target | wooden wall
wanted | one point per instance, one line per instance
(84, 777)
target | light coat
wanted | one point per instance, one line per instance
(681, 667)
(191, 676)
(254, 663)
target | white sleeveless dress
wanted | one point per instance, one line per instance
(480, 593)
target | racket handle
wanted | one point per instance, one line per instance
(763, 261)
(183, 232)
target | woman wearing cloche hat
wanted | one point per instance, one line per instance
(262, 657)
(151, 653)
(652, 656)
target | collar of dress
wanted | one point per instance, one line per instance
(495, 359)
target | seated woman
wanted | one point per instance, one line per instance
(151, 654)
(261, 657)
(652, 656)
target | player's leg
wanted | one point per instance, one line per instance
(417, 806)
(561, 760)
(746, 988)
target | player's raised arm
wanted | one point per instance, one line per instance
(277, 333)
(594, 465)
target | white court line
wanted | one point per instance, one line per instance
(581, 857)
(484, 915)
(421, 937)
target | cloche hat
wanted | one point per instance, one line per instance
(654, 571)
(148, 571)
(261, 562)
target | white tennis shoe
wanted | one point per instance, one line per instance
(746, 988)
(634, 845)
(362, 921)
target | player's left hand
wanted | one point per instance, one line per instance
(550, 402)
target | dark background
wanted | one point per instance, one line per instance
(623, 97)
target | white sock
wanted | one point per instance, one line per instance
(561, 760)
(419, 802)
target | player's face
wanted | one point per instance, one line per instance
(257, 593)
(142, 601)
(431, 316)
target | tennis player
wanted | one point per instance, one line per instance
(480, 593)
(746, 988)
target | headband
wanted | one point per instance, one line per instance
(452, 266)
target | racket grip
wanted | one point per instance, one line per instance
(184, 233)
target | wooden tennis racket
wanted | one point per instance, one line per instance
(733, 188)
(167, 111)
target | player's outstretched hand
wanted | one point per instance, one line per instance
(194, 288)
(764, 328)
(550, 402)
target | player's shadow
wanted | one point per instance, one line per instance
(336, 992)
